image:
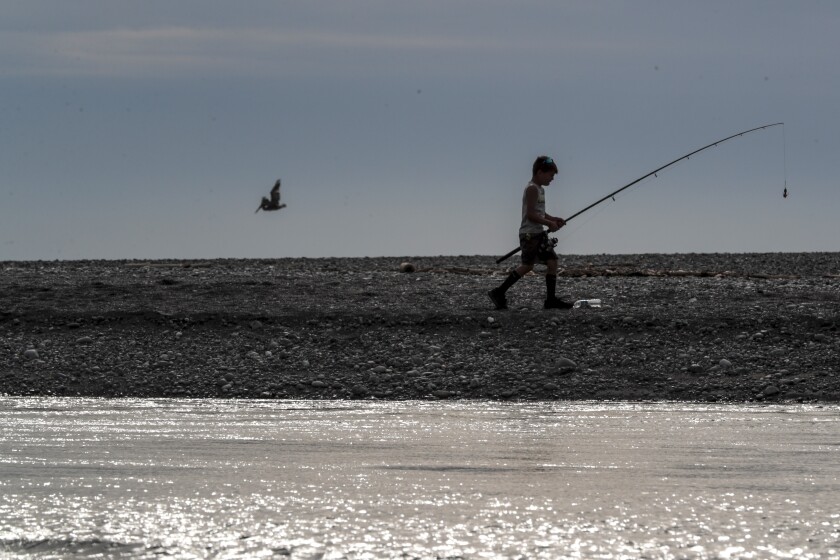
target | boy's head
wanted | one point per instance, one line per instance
(543, 163)
(543, 170)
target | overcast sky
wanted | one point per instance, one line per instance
(152, 129)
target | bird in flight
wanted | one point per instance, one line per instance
(274, 203)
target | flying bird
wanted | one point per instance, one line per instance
(784, 194)
(274, 203)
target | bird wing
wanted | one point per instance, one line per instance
(275, 192)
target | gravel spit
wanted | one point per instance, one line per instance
(704, 327)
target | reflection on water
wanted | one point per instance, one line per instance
(250, 479)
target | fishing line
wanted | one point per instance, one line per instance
(784, 160)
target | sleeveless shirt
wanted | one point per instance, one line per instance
(527, 225)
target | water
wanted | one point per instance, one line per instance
(88, 478)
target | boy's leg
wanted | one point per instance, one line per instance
(530, 248)
(511, 279)
(514, 277)
(551, 300)
(551, 279)
(497, 295)
(550, 286)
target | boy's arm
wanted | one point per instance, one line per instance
(531, 195)
(560, 221)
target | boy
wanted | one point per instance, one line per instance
(533, 239)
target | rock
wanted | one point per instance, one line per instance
(491, 323)
(256, 325)
(442, 394)
(31, 354)
(770, 390)
(725, 364)
(359, 390)
(84, 340)
(695, 368)
(564, 363)
(407, 267)
(318, 384)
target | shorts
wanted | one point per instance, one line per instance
(536, 248)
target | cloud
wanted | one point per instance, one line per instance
(178, 50)
(167, 50)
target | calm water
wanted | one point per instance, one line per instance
(86, 478)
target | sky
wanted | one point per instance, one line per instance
(151, 130)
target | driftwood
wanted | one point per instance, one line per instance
(169, 265)
(620, 271)
(649, 272)
(460, 270)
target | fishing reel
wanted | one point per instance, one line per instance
(548, 242)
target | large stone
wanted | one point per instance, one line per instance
(771, 390)
(564, 363)
(359, 390)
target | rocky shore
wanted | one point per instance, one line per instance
(695, 327)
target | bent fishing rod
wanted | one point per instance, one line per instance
(643, 177)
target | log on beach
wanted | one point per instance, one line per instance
(693, 327)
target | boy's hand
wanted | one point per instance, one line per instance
(554, 225)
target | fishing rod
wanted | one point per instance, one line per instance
(643, 177)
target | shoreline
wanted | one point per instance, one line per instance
(676, 327)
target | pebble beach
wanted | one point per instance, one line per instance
(686, 327)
